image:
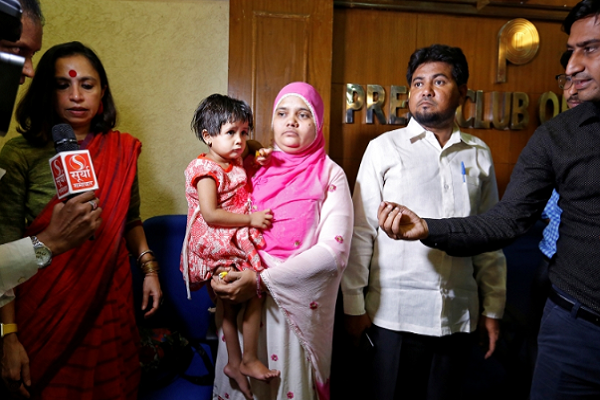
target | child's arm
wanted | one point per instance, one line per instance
(213, 215)
(263, 156)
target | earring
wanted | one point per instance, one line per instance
(209, 144)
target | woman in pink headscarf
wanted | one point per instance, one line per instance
(305, 254)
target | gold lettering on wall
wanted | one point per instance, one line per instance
(461, 111)
(483, 110)
(548, 106)
(480, 110)
(501, 105)
(480, 122)
(519, 116)
(396, 103)
(355, 98)
(375, 99)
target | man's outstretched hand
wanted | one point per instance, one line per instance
(400, 223)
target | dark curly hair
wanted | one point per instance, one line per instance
(216, 110)
(442, 53)
(583, 9)
(36, 113)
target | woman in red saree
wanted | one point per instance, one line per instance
(77, 337)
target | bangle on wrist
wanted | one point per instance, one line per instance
(150, 267)
(139, 259)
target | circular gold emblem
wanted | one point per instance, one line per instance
(520, 41)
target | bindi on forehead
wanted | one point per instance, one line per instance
(72, 73)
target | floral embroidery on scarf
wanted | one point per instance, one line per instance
(331, 188)
(290, 395)
(297, 243)
(223, 338)
(274, 357)
(339, 239)
(314, 305)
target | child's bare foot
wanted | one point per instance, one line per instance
(242, 381)
(257, 370)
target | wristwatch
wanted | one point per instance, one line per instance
(5, 329)
(43, 254)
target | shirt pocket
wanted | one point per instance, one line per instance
(473, 184)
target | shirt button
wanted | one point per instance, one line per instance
(445, 187)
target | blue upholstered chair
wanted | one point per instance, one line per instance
(192, 318)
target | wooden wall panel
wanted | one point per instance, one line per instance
(539, 10)
(266, 36)
(374, 46)
(273, 43)
(370, 47)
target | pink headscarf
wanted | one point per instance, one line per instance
(292, 185)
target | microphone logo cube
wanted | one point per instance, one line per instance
(73, 173)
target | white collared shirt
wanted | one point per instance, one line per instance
(412, 287)
(17, 264)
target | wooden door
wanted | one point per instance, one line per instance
(273, 43)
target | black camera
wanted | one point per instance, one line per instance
(11, 65)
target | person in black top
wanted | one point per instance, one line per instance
(564, 154)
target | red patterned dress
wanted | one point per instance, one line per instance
(209, 247)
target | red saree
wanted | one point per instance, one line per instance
(76, 318)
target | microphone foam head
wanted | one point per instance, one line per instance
(64, 138)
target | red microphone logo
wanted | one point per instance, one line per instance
(60, 179)
(73, 173)
(79, 170)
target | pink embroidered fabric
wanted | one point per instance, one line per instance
(308, 244)
(298, 313)
(210, 247)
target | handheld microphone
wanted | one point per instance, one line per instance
(72, 168)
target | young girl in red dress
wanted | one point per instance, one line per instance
(222, 232)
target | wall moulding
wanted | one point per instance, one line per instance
(540, 10)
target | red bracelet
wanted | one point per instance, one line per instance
(258, 291)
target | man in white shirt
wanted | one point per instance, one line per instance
(73, 222)
(421, 304)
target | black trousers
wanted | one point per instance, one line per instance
(413, 367)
